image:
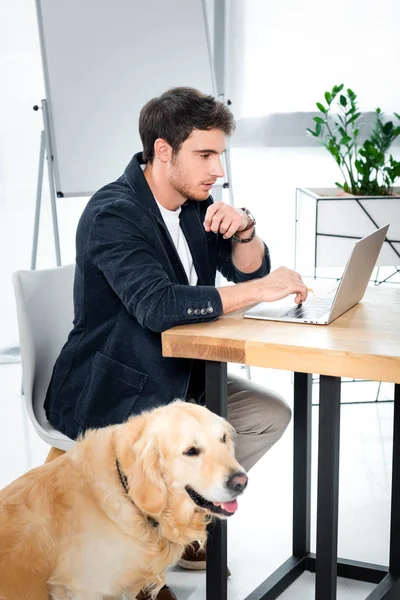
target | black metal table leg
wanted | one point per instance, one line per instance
(328, 488)
(389, 588)
(216, 575)
(394, 556)
(302, 408)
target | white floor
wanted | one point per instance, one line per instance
(260, 534)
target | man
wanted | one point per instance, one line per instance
(148, 248)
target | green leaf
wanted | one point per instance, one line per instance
(359, 166)
(345, 140)
(322, 108)
(354, 117)
(343, 100)
(396, 115)
(387, 128)
(356, 132)
(311, 132)
(328, 97)
(319, 120)
(337, 88)
(339, 185)
(318, 129)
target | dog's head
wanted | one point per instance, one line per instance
(181, 455)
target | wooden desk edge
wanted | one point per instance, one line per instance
(288, 358)
(204, 348)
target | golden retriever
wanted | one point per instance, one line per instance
(112, 514)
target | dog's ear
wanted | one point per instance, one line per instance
(148, 489)
(141, 461)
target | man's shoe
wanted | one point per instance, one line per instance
(164, 594)
(195, 558)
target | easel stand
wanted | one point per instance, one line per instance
(218, 67)
(45, 152)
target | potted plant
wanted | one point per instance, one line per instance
(364, 199)
(367, 170)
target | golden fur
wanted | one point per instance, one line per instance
(69, 530)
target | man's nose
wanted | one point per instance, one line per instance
(237, 482)
(217, 169)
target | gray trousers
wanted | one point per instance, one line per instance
(259, 416)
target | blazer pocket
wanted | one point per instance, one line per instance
(109, 394)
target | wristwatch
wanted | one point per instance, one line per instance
(250, 225)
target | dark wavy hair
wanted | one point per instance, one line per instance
(173, 116)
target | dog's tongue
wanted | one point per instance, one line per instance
(230, 507)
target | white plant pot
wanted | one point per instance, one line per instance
(328, 223)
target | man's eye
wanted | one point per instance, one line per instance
(192, 451)
(204, 155)
(224, 438)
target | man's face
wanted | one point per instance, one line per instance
(193, 170)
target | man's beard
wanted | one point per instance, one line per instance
(179, 182)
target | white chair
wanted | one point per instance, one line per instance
(44, 302)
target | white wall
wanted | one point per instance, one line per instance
(293, 51)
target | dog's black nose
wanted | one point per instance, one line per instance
(237, 482)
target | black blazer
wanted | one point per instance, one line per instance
(129, 287)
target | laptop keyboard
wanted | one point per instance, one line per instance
(315, 308)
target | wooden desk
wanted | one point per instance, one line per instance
(362, 343)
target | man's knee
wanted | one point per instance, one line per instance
(276, 413)
(253, 409)
(284, 417)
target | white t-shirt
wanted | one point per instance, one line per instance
(171, 220)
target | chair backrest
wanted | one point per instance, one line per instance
(44, 301)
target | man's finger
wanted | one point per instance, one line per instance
(303, 293)
(225, 224)
(216, 222)
(211, 210)
(230, 231)
(298, 299)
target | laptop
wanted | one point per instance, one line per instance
(322, 309)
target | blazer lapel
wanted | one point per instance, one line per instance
(197, 241)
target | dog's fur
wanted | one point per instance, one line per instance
(68, 529)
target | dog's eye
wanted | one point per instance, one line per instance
(193, 451)
(224, 438)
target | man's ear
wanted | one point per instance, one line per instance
(162, 150)
(140, 461)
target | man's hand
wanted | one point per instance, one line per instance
(277, 285)
(225, 219)
(281, 283)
